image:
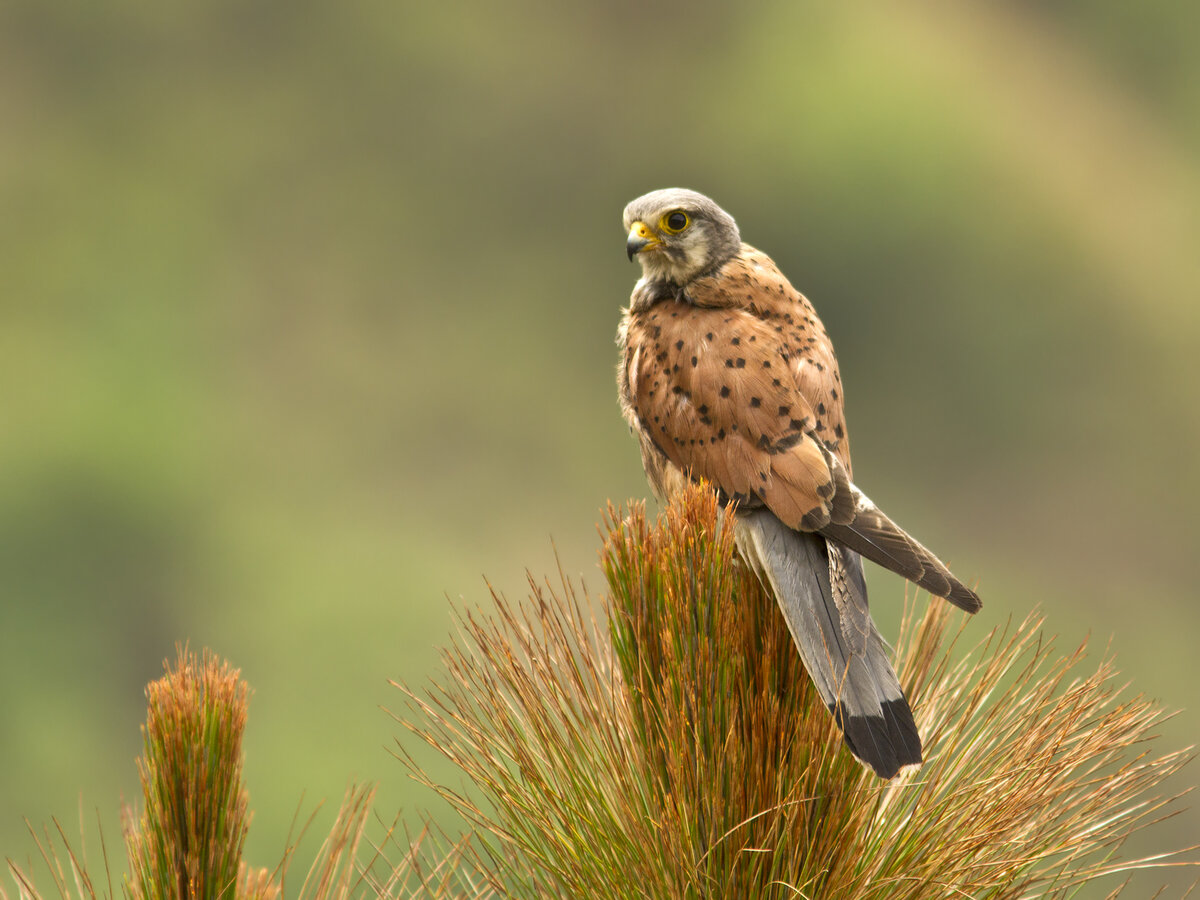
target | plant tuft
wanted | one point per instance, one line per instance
(679, 751)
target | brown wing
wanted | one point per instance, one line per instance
(752, 281)
(874, 535)
(715, 390)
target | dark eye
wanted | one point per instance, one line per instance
(676, 221)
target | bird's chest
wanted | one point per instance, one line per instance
(675, 349)
(667, 347)
(743, 368)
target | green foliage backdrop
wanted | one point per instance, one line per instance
(306, 319)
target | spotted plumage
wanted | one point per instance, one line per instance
(727, 375)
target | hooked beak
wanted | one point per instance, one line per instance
(640, 237)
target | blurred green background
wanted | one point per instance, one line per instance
(308, 315)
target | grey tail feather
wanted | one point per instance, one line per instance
(844, 653)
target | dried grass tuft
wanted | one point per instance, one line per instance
(674, 748)
(678, 749)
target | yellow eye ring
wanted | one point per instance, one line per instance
(674, 221)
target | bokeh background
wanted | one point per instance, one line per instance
(308, 315)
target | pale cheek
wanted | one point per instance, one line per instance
(661, 266)
(696, 258)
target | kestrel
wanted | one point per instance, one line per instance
(727, 376)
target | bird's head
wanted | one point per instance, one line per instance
(677, 234)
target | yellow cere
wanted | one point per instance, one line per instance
(641, 230)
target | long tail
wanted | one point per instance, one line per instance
(821, 591)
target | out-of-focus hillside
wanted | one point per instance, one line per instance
(308, 316)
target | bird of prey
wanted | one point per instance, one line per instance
(727, 376)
